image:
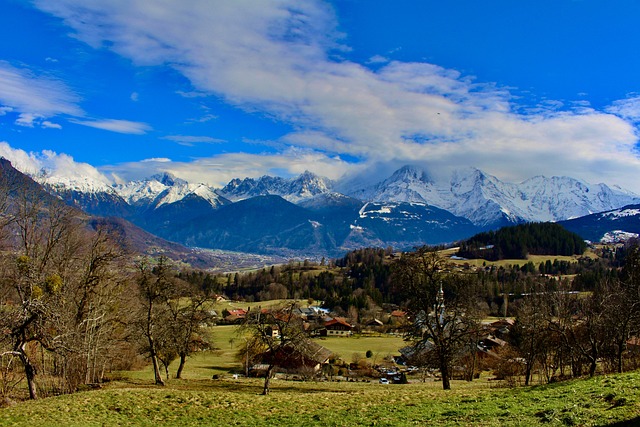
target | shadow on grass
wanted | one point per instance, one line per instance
(629, 423)
(303, 390)
(227, 369)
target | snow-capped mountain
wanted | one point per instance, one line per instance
(407, 225)
(164, 189)
(89, 193)
(616, 224)
(294, 190)
(308, 215)
(489, 202)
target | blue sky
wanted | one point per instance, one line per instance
(212, 90)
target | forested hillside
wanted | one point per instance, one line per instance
(519, 241)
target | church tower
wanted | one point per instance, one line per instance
(440, 304)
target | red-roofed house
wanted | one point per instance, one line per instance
(338, 327)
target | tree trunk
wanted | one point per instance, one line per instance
(30, 372)
(267, 378)
(619, 351)
(527, 373)
(474, 358)
(444, 372)
(154, 360)
(183, 359)
(152, 346)
(592, 367)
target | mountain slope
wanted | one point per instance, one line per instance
(406, 225)
(165, 189)
(597, 226)
(265, 224)
(132, 238)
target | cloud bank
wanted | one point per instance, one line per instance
(284, 59)
(53, 165)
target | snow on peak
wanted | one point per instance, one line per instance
(485, 200)
(295, 190)
(409, 174)
(164, 189)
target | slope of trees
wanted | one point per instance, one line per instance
(71, 300)
(60, 289)
(519, 241)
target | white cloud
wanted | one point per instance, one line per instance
(190, 140)
(27, 120)
(377, 59)
(35, 95)
(36, 98)
(57, 166)
(217, 171)
(627, 108)
(276, 58)
(115, 125)
(49, 125)
(135, 96)
(156, 159)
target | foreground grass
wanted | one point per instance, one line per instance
(599, 401)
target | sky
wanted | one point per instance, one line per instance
(211, 90)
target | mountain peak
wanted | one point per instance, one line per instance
(409, 173)
(303, 187)
(168, 179)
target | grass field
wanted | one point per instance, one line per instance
(357, 346)
(131, 399)
(601, 401)
(535, 259)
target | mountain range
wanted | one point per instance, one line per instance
(310, 215)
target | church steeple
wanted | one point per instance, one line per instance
(440, 304)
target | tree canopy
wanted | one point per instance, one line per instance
(519, 241)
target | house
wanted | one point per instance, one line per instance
(503, 323)
(299, 356)
(633, 345)
(273, 331)
(311, 314)
(490, 344)
(374, 324)
(338, 327)
(398, 317)
(238, 312)
(235, 315)
(502, 327)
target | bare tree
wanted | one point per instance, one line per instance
(442, 308)
(155, 289)
(529, 334)
(60, 287)
(276, 334)
(188, 317)
(95, 309)
(33, 276)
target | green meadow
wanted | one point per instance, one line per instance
(130, 399)
(600, 401)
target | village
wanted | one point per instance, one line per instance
(311, 360)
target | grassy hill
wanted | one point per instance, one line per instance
(130, 399)
(600, 401)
